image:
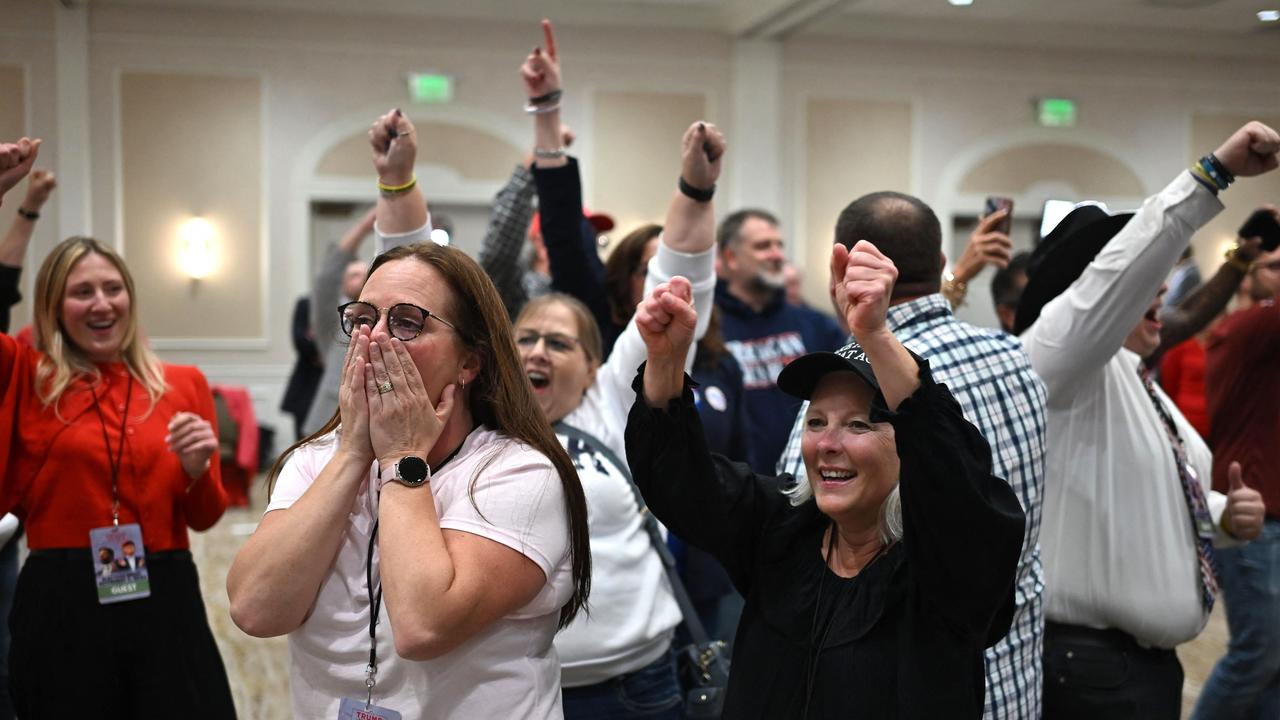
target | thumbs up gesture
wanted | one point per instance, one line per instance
(1244, 514)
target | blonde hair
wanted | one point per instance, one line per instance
(63, 363)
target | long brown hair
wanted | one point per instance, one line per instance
(500, 397)
(63, 362)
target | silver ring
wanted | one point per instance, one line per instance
(385, 388)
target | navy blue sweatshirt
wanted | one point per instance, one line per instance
(763, 343)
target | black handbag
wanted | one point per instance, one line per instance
(703, 665)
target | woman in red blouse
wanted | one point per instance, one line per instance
(103, 446)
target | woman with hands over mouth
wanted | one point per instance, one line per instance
(106, 445)
(873, 583)
(423, 548)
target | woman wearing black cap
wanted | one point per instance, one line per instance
(874, 583)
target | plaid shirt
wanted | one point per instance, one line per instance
(991, 378)
(502, 250)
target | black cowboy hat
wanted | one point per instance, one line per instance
(1062, 256)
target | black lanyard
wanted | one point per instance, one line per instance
(117, 460)
(375, 598)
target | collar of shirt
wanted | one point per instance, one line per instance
(922, 309)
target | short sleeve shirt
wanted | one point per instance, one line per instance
(495, 487)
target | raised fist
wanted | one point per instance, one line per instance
(39, 187)
(16, 160)
(1250, 151)
(666, 321)
(701, 150)
(395, 147)
(862, 282)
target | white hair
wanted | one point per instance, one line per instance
(890, 515)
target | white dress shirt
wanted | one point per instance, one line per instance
(1116, 536)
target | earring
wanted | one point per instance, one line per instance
(462, 384)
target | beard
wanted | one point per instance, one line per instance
(769, 282)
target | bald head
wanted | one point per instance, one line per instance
(903, 228)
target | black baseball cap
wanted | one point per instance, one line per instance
(801, 376)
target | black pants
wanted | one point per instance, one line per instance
(73, 658)
(1104, 675)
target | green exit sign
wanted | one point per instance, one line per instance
(430, 88)
(1056, 112)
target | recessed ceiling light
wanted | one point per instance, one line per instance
(1269, 15)
(960, 3)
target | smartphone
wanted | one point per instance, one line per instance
(994, 204)
(1262, 224)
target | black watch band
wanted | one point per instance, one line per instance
(28, 214)
(697, 194)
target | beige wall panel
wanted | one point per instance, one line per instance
(191, 146)
(473, 154)
(853, 147)
(636, 139)
(1208, 130)
(1090, 172)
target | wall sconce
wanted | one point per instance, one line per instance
(196, 250)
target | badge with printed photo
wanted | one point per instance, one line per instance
(119, 563)
(350, 709)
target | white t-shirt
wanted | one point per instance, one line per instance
(633, 613)
(510, 669)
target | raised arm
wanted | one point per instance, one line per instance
(686, 252)
(504, 238)
(326, 292)
(987, 246)
(1206, 302)
(13, 248)
(402, 208)
(16, 160)
(1080, 330)
(574, 261)
(863, 280)
(707, 500)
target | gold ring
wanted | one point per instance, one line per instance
(385, 388)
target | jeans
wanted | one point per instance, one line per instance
(1245, 683)
(652, 693)
(1105, 675)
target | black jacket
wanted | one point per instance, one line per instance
(906, 636)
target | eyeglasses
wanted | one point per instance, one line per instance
(404, 321)
(557, 343)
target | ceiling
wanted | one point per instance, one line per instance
(1222, 26)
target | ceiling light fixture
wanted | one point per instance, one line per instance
(1269, 15)
(960, 3)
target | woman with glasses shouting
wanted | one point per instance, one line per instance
(617, 660)
(422, 549)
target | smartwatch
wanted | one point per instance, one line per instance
(410, 471)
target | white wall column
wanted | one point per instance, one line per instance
(71, 47)
(756, 143)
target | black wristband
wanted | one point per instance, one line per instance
(31, 215)
(550, 97)
(694, 193)
(1222, 169)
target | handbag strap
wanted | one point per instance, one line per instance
(691, 621)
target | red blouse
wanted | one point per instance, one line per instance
(54, 468)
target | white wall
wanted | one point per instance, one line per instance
(325, 77)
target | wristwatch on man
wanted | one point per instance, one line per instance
(410, 471)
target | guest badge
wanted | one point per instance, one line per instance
(120, 563)
(359, 710)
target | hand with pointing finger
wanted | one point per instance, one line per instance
(1245, 510)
